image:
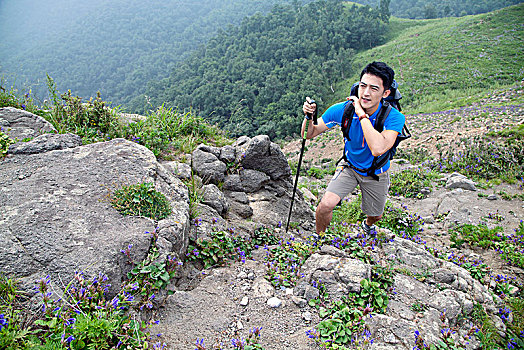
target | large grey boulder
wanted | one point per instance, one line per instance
(46, 143)
(258, 168)
(233, 183)
(239, 205)
(457, 180)
(339, 275)
(180, 170)
(20, 124)
(271, 208)
(215, 199)
(259, 153)
(56, 218)
(208, 166)
(253, 180)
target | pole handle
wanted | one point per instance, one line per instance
(315, 114)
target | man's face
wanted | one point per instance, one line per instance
(370, 92)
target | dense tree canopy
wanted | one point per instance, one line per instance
(115, 46)
(418, 9)
(253, 79)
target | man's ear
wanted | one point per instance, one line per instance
(386, 93)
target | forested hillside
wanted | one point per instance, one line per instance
(252, 79)
(417, 9)
(114, 46)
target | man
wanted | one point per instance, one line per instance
(364, 144)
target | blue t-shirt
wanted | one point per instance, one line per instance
(357, 150)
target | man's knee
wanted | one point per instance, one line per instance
(328, 203)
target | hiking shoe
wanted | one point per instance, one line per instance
(368, 230)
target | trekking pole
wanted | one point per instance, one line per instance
(300, 160)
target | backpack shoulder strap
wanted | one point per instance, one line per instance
(382, 115)
(347, 118)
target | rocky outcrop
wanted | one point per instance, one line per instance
(255, 178)
(45, 143)
(20, 125)
(56, 218)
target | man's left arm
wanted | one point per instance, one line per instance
(378, 142)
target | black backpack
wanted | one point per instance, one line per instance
(389, 102)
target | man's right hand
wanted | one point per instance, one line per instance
(309, 108)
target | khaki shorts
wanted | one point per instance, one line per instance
(374, 192)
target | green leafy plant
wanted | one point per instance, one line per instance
(400, 221)
(216, 250)
(13, 335)
(84, 319)
(284, 261)
(340, 326)
(482, 158)
(224, 245)
(141, 200)
(5, 142)
(153, 274)
(372, 293)
(414, 156)
(92, 120)
(418, 307)
(410, 182)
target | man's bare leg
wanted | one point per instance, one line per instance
(324, 211)
(372, 219)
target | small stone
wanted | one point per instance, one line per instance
(513, 290)
(307, 316)
(311, 293)
(492, 197)
(300, 302)
(251, 276)
(242, 275)
(244, 301)
(289, 291)
(430, 219)
(274, 302)
(240, 325)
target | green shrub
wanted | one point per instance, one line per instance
(509, 247)
(141, 200)
(5, 142)
(92, 120)
(482, 158)
(480, 235)
(10, 98)
(169, 129)
(349, 211)
(410, 182)
(514, 133)
(415, 156)
(81, 319)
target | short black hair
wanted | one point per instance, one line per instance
(381, 70)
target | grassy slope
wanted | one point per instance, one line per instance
(450, 62)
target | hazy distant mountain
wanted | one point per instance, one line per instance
(113, 46)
